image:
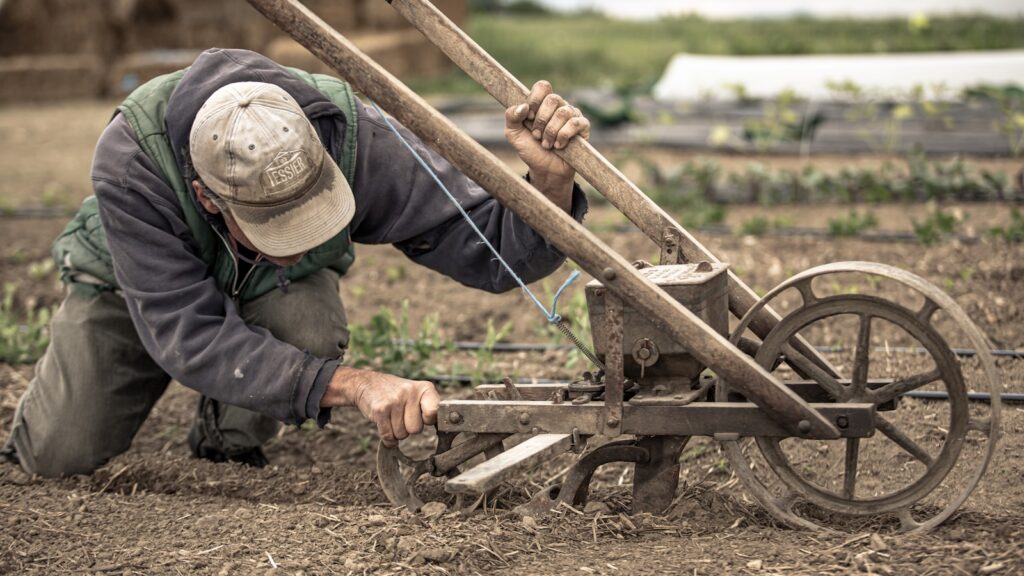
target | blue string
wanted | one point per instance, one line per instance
(551, 316)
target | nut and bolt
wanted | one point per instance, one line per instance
(454, 417)
(524, 419)
(612, 422)
(643, 353)
(608, 274)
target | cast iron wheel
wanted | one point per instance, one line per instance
(913, 469)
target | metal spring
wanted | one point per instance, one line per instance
(564, 329)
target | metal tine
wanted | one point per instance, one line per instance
(657, 224)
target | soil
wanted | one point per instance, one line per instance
(318, 508)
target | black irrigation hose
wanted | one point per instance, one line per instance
(530, 347)
(1011, 397)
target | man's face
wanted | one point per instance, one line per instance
(236, 232)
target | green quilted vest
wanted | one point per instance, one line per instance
(81, 250)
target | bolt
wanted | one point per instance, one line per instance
(804, 426)
(612, 422)
(643, 353)
(704, 266)
(524, 419)
(843, 422)
(609, 274)
(454, 417)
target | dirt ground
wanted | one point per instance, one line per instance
(318, 508)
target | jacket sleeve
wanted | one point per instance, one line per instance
(186, 323)
(397, 202)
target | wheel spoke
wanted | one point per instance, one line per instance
(861, 357)
(904, 385)
(804, 365)
(902, 440)
(850, 468)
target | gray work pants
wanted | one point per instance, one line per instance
(95, 384)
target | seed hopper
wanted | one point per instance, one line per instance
(813, 439)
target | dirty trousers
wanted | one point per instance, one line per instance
(95, 384)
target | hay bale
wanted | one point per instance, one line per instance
(50, 77)
(131, 71)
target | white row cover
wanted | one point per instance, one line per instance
(691, 77)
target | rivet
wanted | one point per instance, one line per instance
(524, 418)
(803, 426)
(612, 422)
(214, 136)
(842, 422)
(608, 274)
(252, 146)
(454, 417)
(285, 128)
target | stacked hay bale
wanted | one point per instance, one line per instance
(86, 48)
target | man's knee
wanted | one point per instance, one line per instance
(52, 452)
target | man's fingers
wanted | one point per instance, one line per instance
(538, 93)
(576, 126)
(383, 422)
(397, 416)
(515, 116)
(429, 401)
(547, 109)
(558, 120)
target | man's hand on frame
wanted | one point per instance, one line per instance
(398, 407)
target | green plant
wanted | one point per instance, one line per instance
(1010, 100)
(938, 226)
(386, 343)
(760, 225)
(483, 358)
(852, 224)
(23, 337)
(781, 122)
(1014, 232)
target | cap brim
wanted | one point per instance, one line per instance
(303, 223)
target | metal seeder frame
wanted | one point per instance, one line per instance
(657, 328)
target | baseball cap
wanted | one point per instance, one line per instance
(254, 147)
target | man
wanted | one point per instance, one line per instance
(228, 196)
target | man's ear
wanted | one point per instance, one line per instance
(207, 204)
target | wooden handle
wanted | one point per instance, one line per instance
(657, 224)
(545, 217)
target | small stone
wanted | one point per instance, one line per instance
(375, 520)
(755, 564)
(530, 523)
(438, 554)
(406, 545)
(596, 508)
(433, 509)
(877, 544)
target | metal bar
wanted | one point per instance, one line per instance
(519, 458)
(696, 419)
(614, 375)
(655, 481)
(657, 224)
(448, 460)
(545, 217)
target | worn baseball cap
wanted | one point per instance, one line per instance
(252, 145)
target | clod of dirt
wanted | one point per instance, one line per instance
(878, 544)
(434, 509)
(438, 554)
(530, 523)
(595, 507)
(755, 564)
